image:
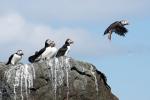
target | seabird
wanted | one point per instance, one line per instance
(63, 51)
(118, 27)
(44, 53)
(15, 58)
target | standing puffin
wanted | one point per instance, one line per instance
(118, 28)
(15, 58)
(63, 51)
(43, 53)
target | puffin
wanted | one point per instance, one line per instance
(43, 53)
(63, 51)
(117, 27)
(15, 58)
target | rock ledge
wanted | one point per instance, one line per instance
(57, 79)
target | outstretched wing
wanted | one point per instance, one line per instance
(9, 60)
(61, 51)
(111, 27)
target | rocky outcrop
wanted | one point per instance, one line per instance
(56, 79)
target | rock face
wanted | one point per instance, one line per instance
(57, 79)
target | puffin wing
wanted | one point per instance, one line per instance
(61, 51)
(121, 30)
(111, 27)
(9, 60)
(40, 52)
(32, 58)
(36, 55)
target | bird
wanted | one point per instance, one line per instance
(15, 58)
(63, 51)
(44, 53)
(118, 27)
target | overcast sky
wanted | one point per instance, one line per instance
(26, 24)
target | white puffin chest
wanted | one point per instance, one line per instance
(46, 52)
(67, 51)
(53, 52)
(15, 59)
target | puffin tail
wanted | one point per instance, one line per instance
(7, 63)
(31, 59)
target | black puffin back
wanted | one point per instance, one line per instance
(9, 60)
(62, 50)
(36, 55)
(112, 26)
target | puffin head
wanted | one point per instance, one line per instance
(19, 52)
(124, 22)
(69, 41)
(48, 43)
(53, 44)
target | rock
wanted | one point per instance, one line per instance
(57, 79)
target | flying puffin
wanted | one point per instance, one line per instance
(15, 58)
(63, 51)
(118, 27)
(44, 52)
